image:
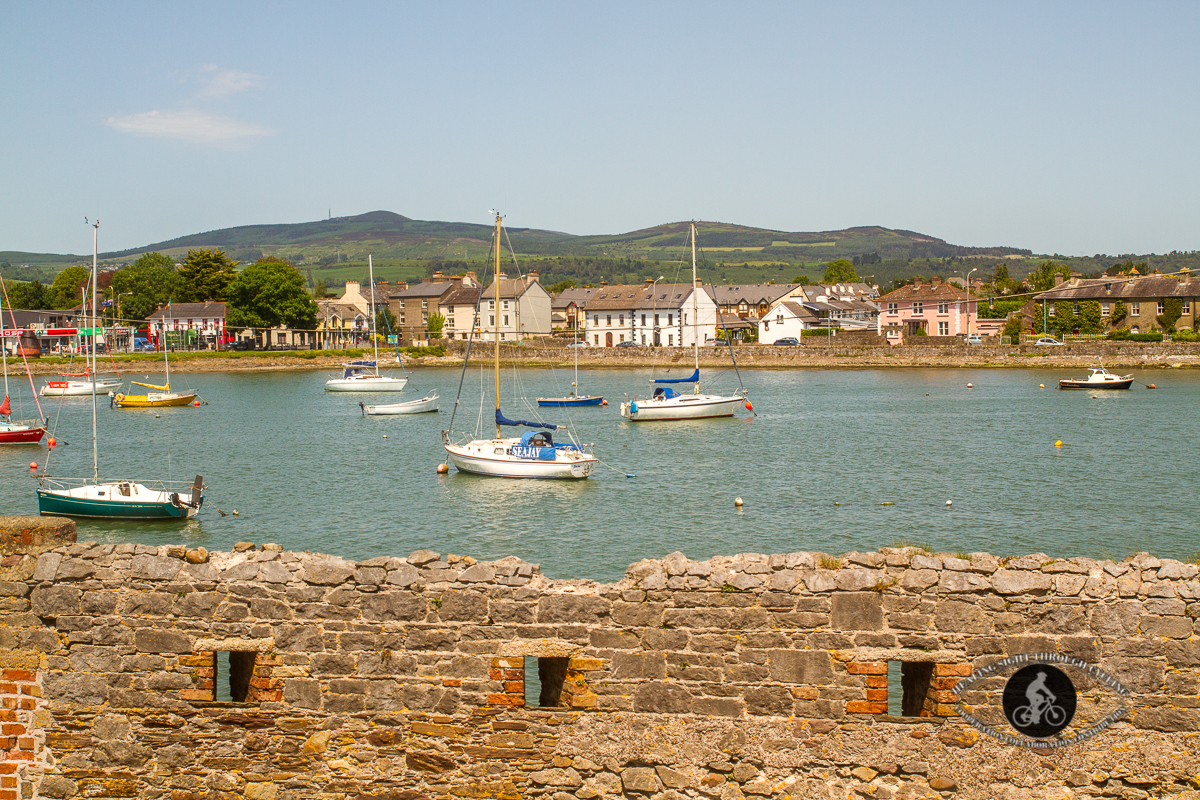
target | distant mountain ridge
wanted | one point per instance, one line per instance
(390, 235)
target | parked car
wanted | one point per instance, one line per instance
(627, 344)
(1048, 341)
(974, 338)
(580, 343)
(787, 341)
(242, 344)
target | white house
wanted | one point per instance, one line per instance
(521, 311)
(650, 314)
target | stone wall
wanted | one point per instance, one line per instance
(142, 671)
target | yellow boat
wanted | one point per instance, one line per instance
(157, 399)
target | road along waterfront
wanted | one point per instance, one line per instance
(816, 466)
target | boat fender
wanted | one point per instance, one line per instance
(633, 408)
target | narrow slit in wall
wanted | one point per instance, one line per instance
(544, 678)
(232, 671)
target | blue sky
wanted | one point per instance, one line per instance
(1062, 127)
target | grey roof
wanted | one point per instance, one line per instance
(209, 308)
(925, 293)
(1122, 287)
(426, 289)
(577, 295)
(753, 294)
(330, 307)
(639, 296)
(462, 296)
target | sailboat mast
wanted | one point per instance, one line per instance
(496, 316)
(695, 312)
(92, 343)
(374, 340)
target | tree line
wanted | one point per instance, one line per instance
(267, 293)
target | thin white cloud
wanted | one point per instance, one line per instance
(222, 83)
(196, 127)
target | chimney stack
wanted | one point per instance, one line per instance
(1058, 279)
(935, 281)
(603, 283)
(649, 282)
(532, 278)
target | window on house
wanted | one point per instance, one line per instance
(893, 308)
(597, 340)
(608, 320)
(1187, 307)
(505, 305)
(231, 674)
(918, 308)
(506, 320)
(621, 320)
(622, 337)
(910, 689)
(943, 308)
(1161, 307)
(544, 680)
(450, 321)
(1075, 308)
(656, 320)
(670, 340)
(779, 318)
(425, 317)
(1104, 309)
(1135, 309)
(1050, 311)
(643, 338)
(502, 337)
(643, 320)
(943, 329)
(492, 320)
(425, 304)
(491, 305)
(670, 319)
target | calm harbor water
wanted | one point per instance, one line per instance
(826, 450)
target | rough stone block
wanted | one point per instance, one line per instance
(800, 666)
(857, 611)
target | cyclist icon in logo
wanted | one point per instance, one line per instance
(1039, 700)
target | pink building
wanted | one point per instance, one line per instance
(938, 309)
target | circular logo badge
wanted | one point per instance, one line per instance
(1039, 700)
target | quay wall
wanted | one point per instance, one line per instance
(748, 676)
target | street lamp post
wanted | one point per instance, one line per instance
(967, 289)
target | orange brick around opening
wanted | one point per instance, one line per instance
(17, 675)
(867, 668)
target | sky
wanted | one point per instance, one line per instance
(1063, 127)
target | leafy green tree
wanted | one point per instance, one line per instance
(840, 271)
(30, 296)
(270, 293)
(153, 281)
(436, 323)
(799, 280)
(1172, 311)
(65, 291)
(385, 321)
(207, 275)
(1119, 313)
(1012, 328)
(1043, 276)
(321, 289)
(1089, 317)
(559, 287)
(1063, 321)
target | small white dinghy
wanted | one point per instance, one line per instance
(426, 403)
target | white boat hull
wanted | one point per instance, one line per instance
(491, 457)
(690, 406)
(77, 388)
(366, 383)
(425, 404)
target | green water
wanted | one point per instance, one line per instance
(827, 449)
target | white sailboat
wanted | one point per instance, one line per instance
(363, 376)
(15, 432)
(574, 398)
(667, 404)
(120, 499)
(533, 454)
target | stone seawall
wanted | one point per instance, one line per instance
(166, 672)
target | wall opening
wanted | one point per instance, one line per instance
(232, 671)
(544, 678)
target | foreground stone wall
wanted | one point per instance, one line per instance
(747, 676)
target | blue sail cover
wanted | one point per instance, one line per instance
(503, 420)
(360, 364)
(693, 379)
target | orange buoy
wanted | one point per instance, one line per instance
(32, 466)
(1058, 443)
(443, 469)
(1151, 386)
(51, 442)
(749, 407)
(196, 403)
(603, 402)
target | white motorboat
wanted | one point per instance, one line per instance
(667, 404)
(363, 376)
(533, 454)
(425, 404)
(80, 385)
(1098, 378)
